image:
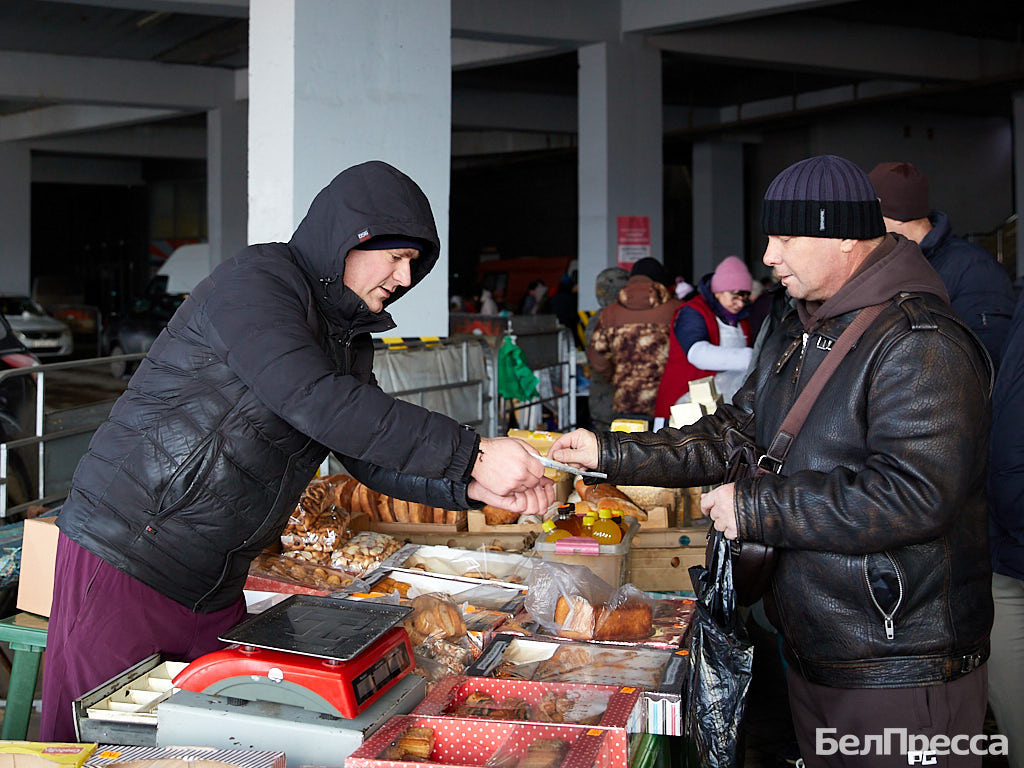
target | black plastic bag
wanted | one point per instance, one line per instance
(721, 660)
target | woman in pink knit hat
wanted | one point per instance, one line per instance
(710, 336)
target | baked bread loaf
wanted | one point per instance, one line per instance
(607, 496)
(498, 516)
(575, 615)
(580, 620)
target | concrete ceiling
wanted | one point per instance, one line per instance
(81, 69)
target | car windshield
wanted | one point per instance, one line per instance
(20, 305)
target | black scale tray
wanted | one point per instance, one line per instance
(324, 627)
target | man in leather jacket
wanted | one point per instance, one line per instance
(265, 367)
(882, 588)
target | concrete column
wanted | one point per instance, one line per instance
(1018, 174)
(620, 158)
(335, 84)
(15, 219)
(718, 218)
(227, 180)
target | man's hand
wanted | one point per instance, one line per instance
(534, 501)
(578, 448)
(506, 466)
(720, 506)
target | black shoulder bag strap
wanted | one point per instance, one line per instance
(794, 421)
(754, 562)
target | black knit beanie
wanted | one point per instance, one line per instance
(651, 267)
(824, 196)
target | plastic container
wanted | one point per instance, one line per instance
(587, 525)
(552, 532)
(606, 530)
(609, 562)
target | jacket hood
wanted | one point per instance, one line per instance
(940, 232)
(895, 266)
(640, 292)
(363, 201)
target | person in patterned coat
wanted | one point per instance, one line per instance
(630, 344)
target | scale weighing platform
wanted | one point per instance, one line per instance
(323, 654)
(311, 676)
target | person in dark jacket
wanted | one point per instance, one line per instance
(882, 591)
(266, 367)
(979, 287)
(1006, 539)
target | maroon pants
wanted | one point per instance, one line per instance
(104, 621)
(953, 709)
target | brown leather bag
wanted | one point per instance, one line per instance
(753, 563)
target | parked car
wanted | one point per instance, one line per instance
(17, 414)
(136, 330)
(41, 334)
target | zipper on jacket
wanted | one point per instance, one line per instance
(890, 625)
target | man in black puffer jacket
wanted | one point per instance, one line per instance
(264, 368)
(882, 589)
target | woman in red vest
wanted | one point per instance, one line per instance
(710, 336)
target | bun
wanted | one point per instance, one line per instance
(498, 516)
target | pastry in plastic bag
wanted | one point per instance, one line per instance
(364, 552)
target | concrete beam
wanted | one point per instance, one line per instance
(543, 22)
(469, 54)
(868, 49)
(151, 140)
(646, 16)
(238, 9)
(80, 79)
(68, 119)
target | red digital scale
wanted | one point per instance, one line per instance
(323, 654)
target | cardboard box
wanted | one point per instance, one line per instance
(38, 559)
(664, 569)
(474, 743)
(32, 754)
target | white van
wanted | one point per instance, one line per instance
(185, 267)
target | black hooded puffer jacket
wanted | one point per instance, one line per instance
(266, 366)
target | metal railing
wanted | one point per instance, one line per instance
(40, 438)
(548, 352)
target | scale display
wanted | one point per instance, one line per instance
(322, 627)
(378, 676)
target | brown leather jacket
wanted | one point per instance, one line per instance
(880, 509)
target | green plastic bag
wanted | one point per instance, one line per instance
(515, 379)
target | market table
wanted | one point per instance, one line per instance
(26, 634)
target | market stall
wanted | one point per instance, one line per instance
(382, 632)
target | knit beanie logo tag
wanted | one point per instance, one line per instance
(821, 219)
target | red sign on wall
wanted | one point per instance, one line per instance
(634, 240)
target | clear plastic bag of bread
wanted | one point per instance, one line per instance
(299, 571)
(364, 552)
(319, 522)
(571, 601)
